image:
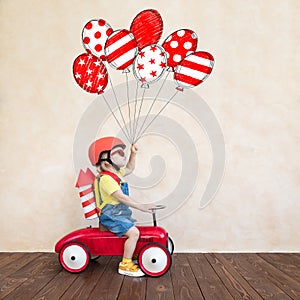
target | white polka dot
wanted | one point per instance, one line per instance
(177, 57)
(174, 44)
(181, 32)
(187, 45)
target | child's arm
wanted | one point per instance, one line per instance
(131, 202)
(131, 162)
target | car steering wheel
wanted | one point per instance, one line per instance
(157, 207)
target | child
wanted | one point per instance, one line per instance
(108, 155)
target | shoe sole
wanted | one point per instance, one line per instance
(132, 274)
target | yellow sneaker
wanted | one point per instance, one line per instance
(130, 269)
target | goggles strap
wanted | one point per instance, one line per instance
(108, 159)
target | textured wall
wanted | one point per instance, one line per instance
(253, 92)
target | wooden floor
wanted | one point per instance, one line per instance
(192, 276)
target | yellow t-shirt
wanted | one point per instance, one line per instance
(108, 186)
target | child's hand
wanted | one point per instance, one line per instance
(146, 207)
(134, 149)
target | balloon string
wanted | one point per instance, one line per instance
(154, 118)
(116, 118)
(129, 113)
(150, 109)
(117, 102)
(135, 105)
(139, 113)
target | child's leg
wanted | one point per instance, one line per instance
(127, 267)
(130, 244)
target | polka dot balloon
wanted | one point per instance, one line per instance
(94, 36)
(178, 45)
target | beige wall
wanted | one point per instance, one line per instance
(254, 93)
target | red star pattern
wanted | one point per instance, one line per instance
(163, 65)
(153, 73)
(140, 66)
(150, 64)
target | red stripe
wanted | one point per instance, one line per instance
(115, 37)
(121, 51)
(88, 202)
(187, 79)
(196, 67)
(127, 64)
(85, 192)
(90, 213)
(204, 55)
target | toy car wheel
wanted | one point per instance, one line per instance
(74, 257)
(154, 259)
(170, 245)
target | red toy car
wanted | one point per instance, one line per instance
(154, 248)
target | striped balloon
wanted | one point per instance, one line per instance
(120, 49)
(193, 70)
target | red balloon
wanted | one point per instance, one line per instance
(94, 36)
(150, 64)
(147, 27)
(193, 70)
(120, 49)
(90, 73)
(179, 44)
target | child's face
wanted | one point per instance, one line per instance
(118, 157)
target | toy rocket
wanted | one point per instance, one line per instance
(84, 184)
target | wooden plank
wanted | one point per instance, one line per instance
(7, 258)
(192, 276)
(255, 277)
(238, 287)
(53, 287)
(32, 277)
(133, 288)
(9, 283)
(287, 263)
(109, 283)
(285, 282)
(211, 285)
(76, 286)
(294, 256)
(160, 288)
(16, 262)
(84, 284)
(185, 285)
(286, 258)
